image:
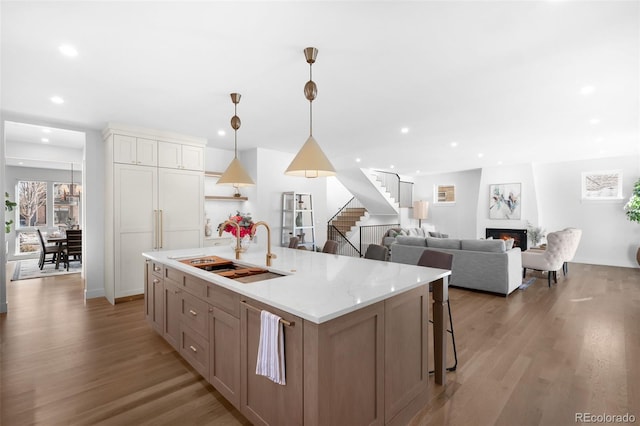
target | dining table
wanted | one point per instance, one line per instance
(59, 240)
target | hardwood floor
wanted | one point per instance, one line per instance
(535, 358)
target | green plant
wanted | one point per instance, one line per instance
(632, 208)
(535, 233)
(8, 206)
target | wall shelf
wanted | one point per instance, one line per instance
(215, 175)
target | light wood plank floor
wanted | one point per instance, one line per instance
(535, 358)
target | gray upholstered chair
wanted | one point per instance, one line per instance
(560, 247)
(330, 247)
(441, 260)
(376, 252)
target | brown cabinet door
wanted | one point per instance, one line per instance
(172, 305)
(262, 401)
(154, 294)
(224, 354)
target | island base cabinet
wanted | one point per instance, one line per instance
(154, 293)
(344, 369)
(224, 354)
(172, 312)
(262, 401)
(195, 349)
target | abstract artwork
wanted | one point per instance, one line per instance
(605, 185)
(504, 201)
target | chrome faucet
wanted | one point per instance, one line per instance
(237, 225)
(253, 232)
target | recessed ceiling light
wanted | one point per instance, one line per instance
(68, 50)
(221, 133)
(20, 163)
(358, 160)
(499, 163)
(404, 130)
(480, 155)
(453, 144)
(45, 130)
(417, 171)
(392, 166)
(45, 140)
(587, 90)
(599, 139)
(57, 100)
(594, 121)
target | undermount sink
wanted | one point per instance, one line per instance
(228, 269)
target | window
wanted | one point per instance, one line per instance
(32, 203)
(66, 209)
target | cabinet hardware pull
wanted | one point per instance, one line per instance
(210, 309)
(156, 281)
(161, 228)
(176, 291)
(193, 348)
(157, 268)
(283, 321)
(192, 312)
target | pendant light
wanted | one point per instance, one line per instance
(310, 161)
(235, 174)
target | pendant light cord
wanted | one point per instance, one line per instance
(235, 132)
(310, 104)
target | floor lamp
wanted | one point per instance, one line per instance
(420, 211)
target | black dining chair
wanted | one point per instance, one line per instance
(376, 252)
(73, 247)
(441, 260)
(45, 250)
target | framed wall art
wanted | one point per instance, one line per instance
(505, 201)
(602, 185)
(444, 194)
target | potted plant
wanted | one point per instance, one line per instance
(535, 234)
(8, 206)
(632, 209)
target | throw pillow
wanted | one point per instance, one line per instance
(435, 234)
(508, 243)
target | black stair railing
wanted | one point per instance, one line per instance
(401, 191)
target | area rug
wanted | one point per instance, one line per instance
(27, 269)
(527, 283)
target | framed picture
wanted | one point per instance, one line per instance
(444, 194)
(505, 201)
(602, 185)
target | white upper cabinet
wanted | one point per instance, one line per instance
(132, 150)
(179, 156)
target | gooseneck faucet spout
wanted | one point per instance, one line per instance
(253, 232)
(237, 225)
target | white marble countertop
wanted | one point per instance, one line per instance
(317, 287)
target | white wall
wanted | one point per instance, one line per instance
(551, 198)
(458, 219)
(3, 259)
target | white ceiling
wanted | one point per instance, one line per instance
(501, 78)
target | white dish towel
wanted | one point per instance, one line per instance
(270, 361)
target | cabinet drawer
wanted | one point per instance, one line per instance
(195, 286)
(194, 313)
(157, 269)
(174, 275)
(195, 349)
(224, 299)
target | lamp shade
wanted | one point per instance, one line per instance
(420, 210)
(235, 175)
(310, 162)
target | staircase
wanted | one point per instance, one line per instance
(347, 218)
(340, 226)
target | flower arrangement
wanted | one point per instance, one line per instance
(242, 219)
(535, 233)
(632, 208)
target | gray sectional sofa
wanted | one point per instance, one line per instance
(487, 265)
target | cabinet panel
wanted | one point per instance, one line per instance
(224, 299)
(129, 271)
(195, 349)
(263, 401)
(224, 361)
(193, 157)
(195, 314)
(124, 149)
(135, 198)
(182, 206)
(172, 314)
(169, 155)
(146, 152)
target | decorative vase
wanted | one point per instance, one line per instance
(299, 219)
(207, 228)
(245, 242)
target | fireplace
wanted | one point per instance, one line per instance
(519, 236)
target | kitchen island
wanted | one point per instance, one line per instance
(355, 332)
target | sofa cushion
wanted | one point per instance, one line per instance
(444, 243)
(411, 241)
(416, 232)
(508, 243)
(492, 246)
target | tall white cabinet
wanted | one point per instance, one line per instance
(154, 201)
